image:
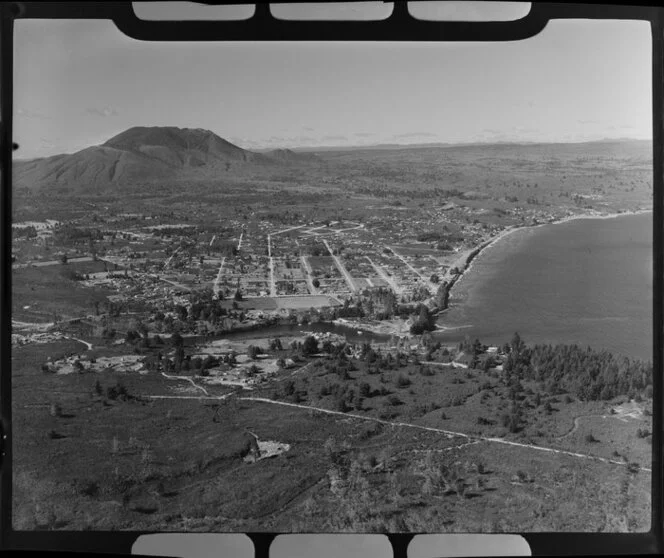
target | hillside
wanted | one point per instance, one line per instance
(142, 155)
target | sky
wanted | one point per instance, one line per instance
(79, 82)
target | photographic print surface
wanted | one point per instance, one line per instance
(316, 287)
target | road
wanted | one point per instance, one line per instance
(273, 285)
(168, 261)
(341, 268)
(199, 397)
(215, 285)
(447, 433)
(431, 285)
(360, 226)
(289, 229)
(239, 242)
(305, 264)
(178, 285)
(383, 274)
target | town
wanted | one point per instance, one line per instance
(269, 355)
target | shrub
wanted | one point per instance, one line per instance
(394, 400)
(341, 405)
(642, 433)
(458, 401)
(99, 390)
(388, 414)
(522, 476)
(55, 410)
(443, 416)
(88, 488)
(567, 399)
(402, 381)
(633, 467)
(590, 438)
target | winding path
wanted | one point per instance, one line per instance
(170, 377)
(88, 345)
(576, 424)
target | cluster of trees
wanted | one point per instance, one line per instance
(226, 248)
(67, 233)
(590, 375)
(425, 321)
(24, 232)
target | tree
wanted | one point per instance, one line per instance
(310, 345)
(63, 259)
(237, 296)
(177, 340)
(316, 283)
(517, 344)
(434, 278)
(253, 352)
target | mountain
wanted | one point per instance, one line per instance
(142, 155)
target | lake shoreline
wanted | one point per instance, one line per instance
(469, 256)
(562, 285)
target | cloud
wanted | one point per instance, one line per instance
(102, 111)
(416, 135)
(364, 134)
(492, 131)
(308, 129)
(26, 113)
(627, 127)
(334, 137)
(588, 121)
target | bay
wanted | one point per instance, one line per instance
(586, 281)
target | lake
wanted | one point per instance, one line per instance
(587, 281)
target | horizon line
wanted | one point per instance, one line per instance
(383, 145)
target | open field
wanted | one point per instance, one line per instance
(177, 458)
(305, 302)
(51, 290)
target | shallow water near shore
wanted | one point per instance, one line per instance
(587, 281)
